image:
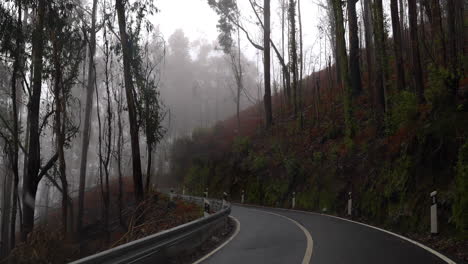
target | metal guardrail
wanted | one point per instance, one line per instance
(166, 244)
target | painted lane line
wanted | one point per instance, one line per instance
(430, 250)
(222, 245)
(310, 242)
(444, 258)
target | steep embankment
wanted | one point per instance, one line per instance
(389, 166)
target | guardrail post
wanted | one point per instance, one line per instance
(350, 204)
(294, 200)
(242, 197)
(434, 224)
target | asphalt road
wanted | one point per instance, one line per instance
(278, 236)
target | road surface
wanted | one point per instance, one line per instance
(289, 237)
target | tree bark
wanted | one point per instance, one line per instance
(58, 127)
(453, 47)
(86, 133)
(17, 67)
(381, 60)
(355, 70)
(266, 64)
(30, 179)
(397, 45)
(293, 53)
(368, 29)
(301, 65)
(346, 82)
(134, 138)
(417, 71)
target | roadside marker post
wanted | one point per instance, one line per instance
(434, 224)
(242, 197)
(350, 204)
(294, 200)
(183, 190)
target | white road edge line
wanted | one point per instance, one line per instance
(444, 258)
(310, 242)
(222, 245)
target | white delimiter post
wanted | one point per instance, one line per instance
(350, 204)
(294, 200)
(434, 226)
(242, 197)
(183, 190)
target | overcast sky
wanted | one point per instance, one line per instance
(199, 21)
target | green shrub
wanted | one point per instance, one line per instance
(437, 93)
(460, 206)
(197, 178)
(404, 110)
(241, 145)
(318, 157)
(257, 161)
(274, 191)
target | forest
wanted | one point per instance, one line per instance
(99, 109)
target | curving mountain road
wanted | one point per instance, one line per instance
(280, 236)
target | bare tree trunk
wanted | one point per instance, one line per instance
(398, 48)
(293, 53)
(17, 67)
(6, 213)
(355, 70)
(58, 128)
(119, 153)
(381, 60)
(301, 65)
(284, 71)
(137, 176)
(87, 122)
(266, 64)
(417, 71)
(30, 180)
(453, 47)
(346, 82)
(367, 17)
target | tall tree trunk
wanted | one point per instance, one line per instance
(355, 70)
(368, 29)
(398, 48)
(86, 133)
(381, 60)
(334, 40)
(6, 212)
(148, 166)
(134, 138)
(17, 67)
(293, 53)
(59, 128)
(346, 82)
(417, 71)
(266, 64)
(301, 65)
(285, 72)
(239, 80)
(119, 155)
(453, 47)
(30, 180)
